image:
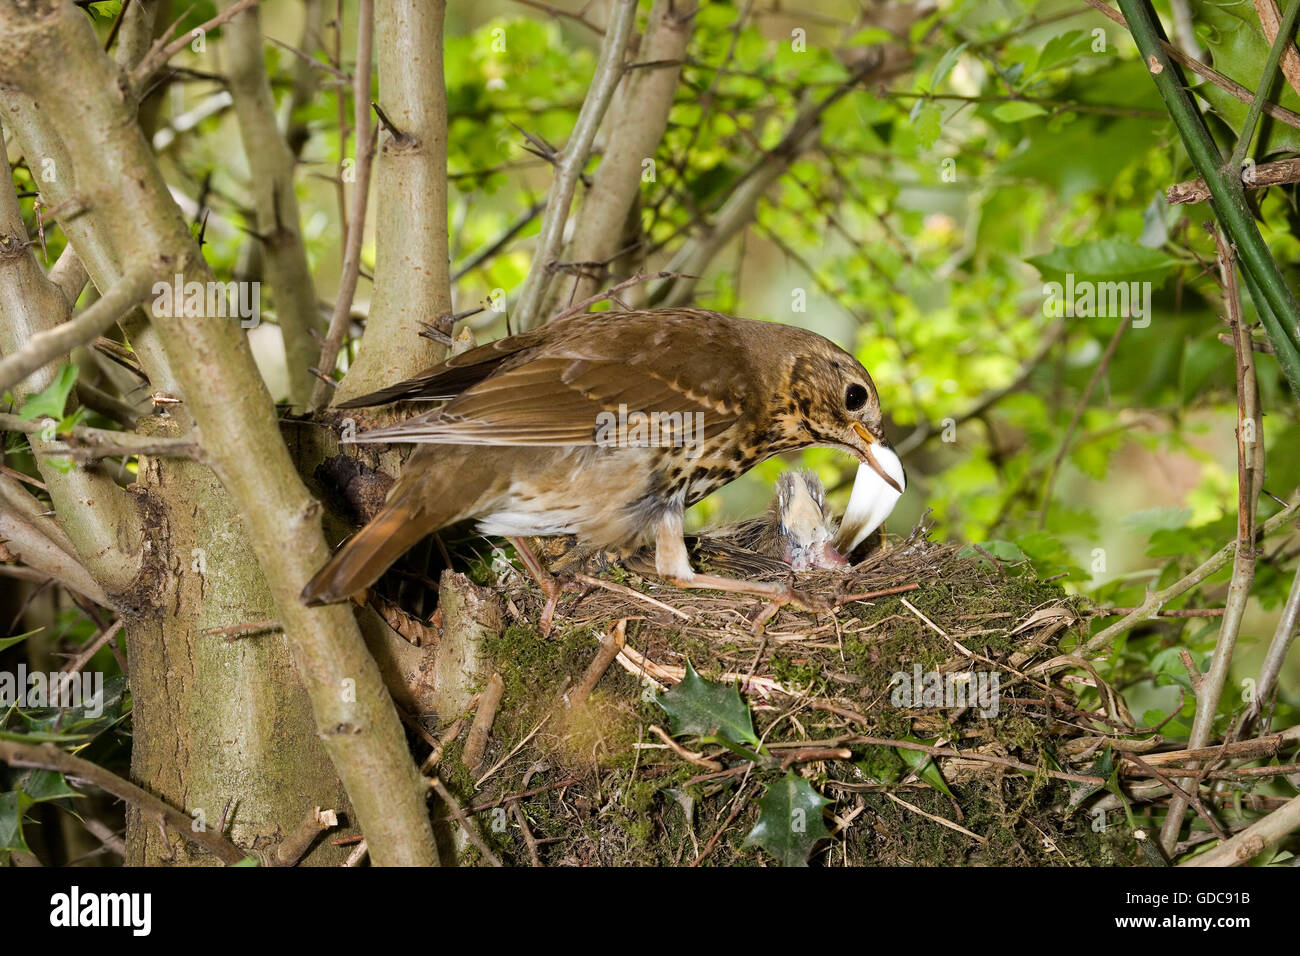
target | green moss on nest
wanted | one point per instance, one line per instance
(605, 791)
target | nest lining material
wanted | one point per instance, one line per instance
(581, 759)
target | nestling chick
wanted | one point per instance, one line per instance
(798, 529)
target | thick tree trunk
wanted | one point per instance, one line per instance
(222, 725)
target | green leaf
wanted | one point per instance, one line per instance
(790, 821)
(43, 785)
(698, 706)
(50, 402)
(944, 67)
(40, 737)
(12, 807)
(1064, 48)
(1018, 110)
(923, 765)
(1105, 259)
(928, 124)
(1238, 49)
(8, 642)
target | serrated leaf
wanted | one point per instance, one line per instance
(1063, 48)
(50, 402)
(698, 706)
(790, 821)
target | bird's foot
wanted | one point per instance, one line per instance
(553, 586)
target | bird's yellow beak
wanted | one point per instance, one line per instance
(867, 441)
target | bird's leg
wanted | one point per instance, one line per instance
(545, 580)
(673, 563)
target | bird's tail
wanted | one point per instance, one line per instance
(370, 552)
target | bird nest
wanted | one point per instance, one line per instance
(929, 716)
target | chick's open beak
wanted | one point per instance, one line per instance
(867, 441)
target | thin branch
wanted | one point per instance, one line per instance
(1229, 86)
(1252, 177)
(1050, 339)
(46, 346)
(271, 185)
(1250, 473)
(1253, 840)
(1279, 42)
(411, 285)
(1276, 305)
(1155, 600)
(50, 757)
(1266, 10)
(91, 444)
(634, 126)
(365, 140)
(1283, 636)
(161, 51)
(33, 547)
(570, 162)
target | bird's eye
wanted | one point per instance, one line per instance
(855, 397)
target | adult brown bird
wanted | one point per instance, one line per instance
(608, 426)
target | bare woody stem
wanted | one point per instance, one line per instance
(412, 287)
(48, 345)
(271, 165)
(569, 164)
(1260, 176)
(342, 316)
(88, 444)
(50, 757)
(1250, 478)
(1155, 600)
(1279, 43)
(101, 521)
(1253, 840)
(52, 56)
(632, 130)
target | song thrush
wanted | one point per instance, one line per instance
(608, 426)
(872, 498)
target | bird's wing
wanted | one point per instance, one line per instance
(448, 379)
(560, 392)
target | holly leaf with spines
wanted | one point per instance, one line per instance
(12, 807)
(709, 710)
(789, 821)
